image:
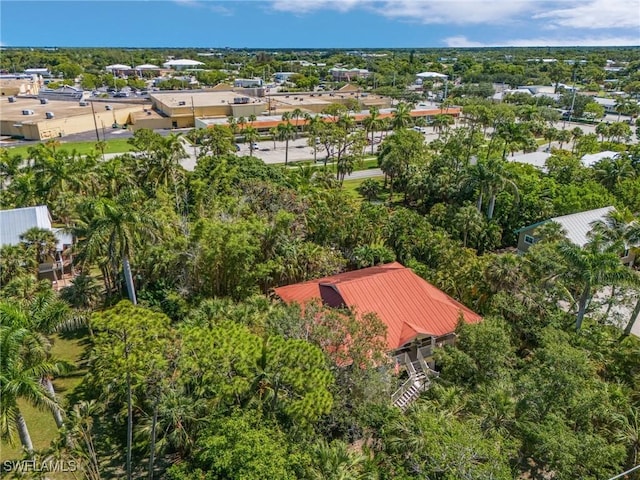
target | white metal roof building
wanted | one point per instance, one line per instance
(146, 66)
(182, 64)
(117, 67)
(537, 159)
(593, 158)
(576, 225)
(431, 75)
(17, 221)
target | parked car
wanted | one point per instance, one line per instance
(237, 147)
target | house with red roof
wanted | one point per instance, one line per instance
(419, 316)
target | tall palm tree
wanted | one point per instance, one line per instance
(576, 133)
(372, 123)
(313, 125)
(43, 315)
(109, 230)
(489, 177)
(23, 365)
(564, 136)
(286, 132)
(251, 136)
(273, 131)
(296, 115)
(470, 222)
(589, 268)
(441, 123)
(620, 230)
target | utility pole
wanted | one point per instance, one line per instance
(95, 123)
(573, 101)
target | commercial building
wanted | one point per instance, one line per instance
(24, 85)
(281, 77)
(181, 108)
(340, 74)
(41, 119)
(247, 82)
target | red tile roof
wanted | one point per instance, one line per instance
(359, 117)
(406, 303)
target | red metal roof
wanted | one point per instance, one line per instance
(406, 303)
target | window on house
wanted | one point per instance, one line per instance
(625, 253)
(529, 240)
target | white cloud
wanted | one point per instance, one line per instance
(591, 14)
(457, 12)
(595, 14)
(461, 42)
(603, 41)
(211, 6)
(428, 12)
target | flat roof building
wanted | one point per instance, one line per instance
(184, 106)
(31, 119)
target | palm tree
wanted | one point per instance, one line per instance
(286, 132)
(589, 268)
(469, 221)
(15, 261)
(603, 130)
(489, 177)
(273, 131)
(110, 230)
(334, 461)
(42, 244)
(296, 115)
(83, 295)
(313, 125)
(163, 168)
(44, 314)
(401, 116)
(372, 123)
(610, 172)
(24, 363)
(504, 273)
(441, 123)
(233, 124)
(576, 133)
(620, 230)
(10, 166)
(563, 137)
(251, 136)
(551, 134)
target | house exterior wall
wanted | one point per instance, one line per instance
(523, 246)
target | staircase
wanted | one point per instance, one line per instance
(418, 382)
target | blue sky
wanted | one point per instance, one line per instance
(319, 23)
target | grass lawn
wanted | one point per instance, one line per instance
(367, 164)
(351, 187)
(42, 427)
(116, 145)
